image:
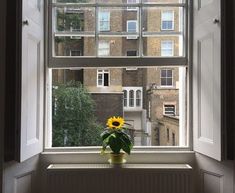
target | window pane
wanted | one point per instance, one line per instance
(84, 45)
(118, 46)
(75, 19)
(74, 1)
(154, 17)
(81, 107)
(153, 46)
(163, 1)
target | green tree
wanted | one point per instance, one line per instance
(74, 122)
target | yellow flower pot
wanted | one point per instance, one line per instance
(117, 158)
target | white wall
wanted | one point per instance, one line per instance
(22, 177)
(213, 176)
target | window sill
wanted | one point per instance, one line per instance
(93, 156)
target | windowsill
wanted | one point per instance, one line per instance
(93, 156)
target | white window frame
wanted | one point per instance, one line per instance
(164, 49)
(162, 20)
(104, 45)
(164, 109)
(134, 107)
(132, 2)
(172, 77)
(127, 29)
(108, 21)
(87, 62)
(102, 72)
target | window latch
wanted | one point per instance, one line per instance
(25, 22)
(216, 21)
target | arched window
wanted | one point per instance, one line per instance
(125, 98)
(138, 98)
(131, 98)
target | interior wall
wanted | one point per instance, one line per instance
(213, 176)
(22, 177)
(2, 84)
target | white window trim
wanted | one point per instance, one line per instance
(134, 108)
(172, 43)
(164, 110)
(127, 29)
(92, 154)
(173, 21)
(102, 72)
(106, 43)
(166, 86)
(132, 8)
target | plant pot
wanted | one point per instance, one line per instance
(117, 158)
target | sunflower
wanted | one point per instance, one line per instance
(115, 122)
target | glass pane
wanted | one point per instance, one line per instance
(116, 19)
(80, 107)
(153, 46)
(74, 1)
(75, 19)
(163, 19)
(65, 46)
(163, 1)
(117, 46)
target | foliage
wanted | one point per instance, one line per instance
(116, 138)
(74, 122)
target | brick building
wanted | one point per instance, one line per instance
(148, 98)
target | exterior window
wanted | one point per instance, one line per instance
(167, 48)
(132, 2)
(138, 98)
(173, 139)
(102, 78)
(125, 98)
(104, 21)
(167, 18)
(131, 53)
(169, 110)
(132, 26)
(75, 53)
(166, 77)
(104, 48)
(131, 98)
(168, 134)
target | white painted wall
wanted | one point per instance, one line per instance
(213, 176)
(22, 177)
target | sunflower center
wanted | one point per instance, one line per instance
(115, 123)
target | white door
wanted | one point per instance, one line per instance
(32, 79)
(207, 78)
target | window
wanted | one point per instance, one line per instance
(131, 53)
(168, 134)
(102, 78)
(166, 77)
(114, 74)
(132, 28)
(173, 139)
(104, 21)
(169, 110)
(133, 98)
(167, 48)
(75, 53)
(132, 2)
(167, 20)
(104, 48)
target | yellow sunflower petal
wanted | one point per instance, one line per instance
(115, 122)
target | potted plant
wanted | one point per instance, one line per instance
(115, 136)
